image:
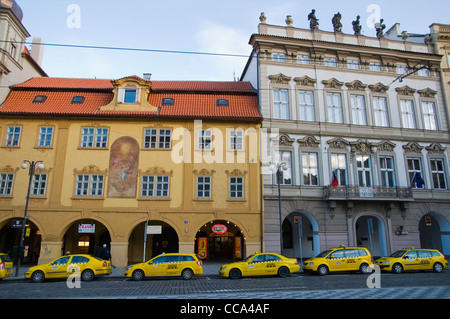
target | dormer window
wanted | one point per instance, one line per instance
(39, 99)
(77, 100)
(222, 102)
(130, 96)
(167, 101)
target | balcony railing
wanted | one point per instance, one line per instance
(367, 193)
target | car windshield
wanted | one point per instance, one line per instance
(249, 257)
(323, 253)
(398, 254)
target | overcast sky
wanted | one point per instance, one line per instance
(195, 26)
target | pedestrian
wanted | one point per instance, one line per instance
(105, 253)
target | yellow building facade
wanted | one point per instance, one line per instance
(143, 167)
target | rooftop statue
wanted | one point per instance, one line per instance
(337, 25)
(314, 22)
(379, 27)
(357, 26)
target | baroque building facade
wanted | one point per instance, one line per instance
(361, 124)
(175, 162)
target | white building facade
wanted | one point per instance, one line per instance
(365, 147)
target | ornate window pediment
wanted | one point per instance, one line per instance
(385, 146)
(338, 143)
(361, 146)
(435, 148)
(406, 90)
(305, 81)
(285, 140)
(378, 88)
(279, 78)
(427, 93)
(413, 147)
(332, 83)
(356, 86)
(309, 141)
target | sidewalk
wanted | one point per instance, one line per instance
(209, 268)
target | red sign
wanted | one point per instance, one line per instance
(219, 229)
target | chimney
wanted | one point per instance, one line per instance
(147, 76)
(37, 50)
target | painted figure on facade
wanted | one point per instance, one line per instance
(337, 25)
(123, 168)
(357, 26)
(313, 21)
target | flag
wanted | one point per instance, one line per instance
(418, 180)
(335, 181)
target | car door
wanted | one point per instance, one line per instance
(157, 266)
(337, 261)
(352, 259)
(425, 260)
(256, 266)
(173, 265)
(411, 260)
(272, 264)
(58, 268)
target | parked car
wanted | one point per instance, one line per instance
(89, 267)
(340, 259)
(6, 266)
(184, 265)
(261, 264)
(413, 259)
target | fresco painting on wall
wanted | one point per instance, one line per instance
(123, 168)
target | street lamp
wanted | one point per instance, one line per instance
(31, 170)
(281, 167)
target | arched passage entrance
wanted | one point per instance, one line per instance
(435, 233)
(300, 228)
(162, 239)
(370, 233)
(10, 240)
(219, 239)
(83, 235)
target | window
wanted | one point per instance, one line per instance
(83, 247)
(380, 111)
(375, 67)
(279, 57)
(408, 116)
(331, 62)
(415, 172)
(303, 59)
(167, 101)
(39, 99)
(94, 137)
(423, 72)
(236, 140)
(236, 187)
(222, 102)
(358, 104)
(310, 169)
(79, 260)
(335, 113)
(306, 104)
(45, 136)
(281, 104)
(402, 69)
(39, 184)
(429, 115)
(89, 185)
(364, 170)
(285, 157)
(387, 171)
(203, 186)
(339, 167)
(205, 140)
(13, 135)
(77, 100)
(12, 50)
(130, 96)
(438, 173)
(155, 186)
(6, 184)
(353, 64)
(157, 138)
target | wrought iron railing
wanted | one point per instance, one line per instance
(358, 192)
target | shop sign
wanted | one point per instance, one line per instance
(154, 230)
(86, 228)
(219, 229)
(202, 248)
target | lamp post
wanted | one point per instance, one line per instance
(280, 168)
(31, 170)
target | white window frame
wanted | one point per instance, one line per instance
(387, 171)
(438, 175)
(364, 172)
(307, 108)
(353, 64)
(380, 111)
(236, 187)
(89, 185)
(155, 186)
(335, 111)
(304, 59)
(359, 113)
(279, 57)
(408, 114)
(45, 136)
(204, 189)
(288, 176)
(310, 168)
(376, 67)
(6, 184)
(13, 134)
(157, 138)
(339, 167)
(236, 140)
(94, 137)
(39, 185)
(412, 171)
(430, 119)
(205, 139)
(330, 62)
(281, 105)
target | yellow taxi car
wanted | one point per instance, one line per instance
(186, 265)
(6, 266)
(87, 266)
(340, 259)
(413, 259)
(260, 264)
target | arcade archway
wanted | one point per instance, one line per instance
(83, 236)
(219, 239)
(434, 233)
(300, 236)
(371, 233)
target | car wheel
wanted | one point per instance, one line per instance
(322, 270)
(37, 276)
(87, 275)
(283, 272)
(437, 267)
(364, 268)
(397, 268)
(235, 273)
(187, 274)
(138, 275)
